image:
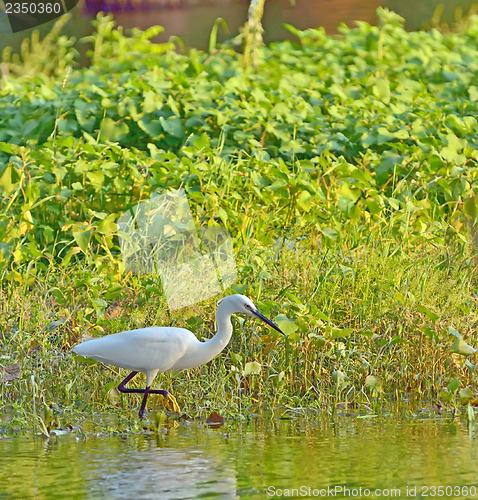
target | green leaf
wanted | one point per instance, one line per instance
(459, 346)
(107, 225)
(381, 90)
(173, 126)
(341, 332)
(97, 179)
(430, 314)
(322, 316)
(431, 334)
(465, 395)
(470, 207)
(85, 361)
(153, 128)
(86, 113)
(304, 201)
(341, 380)
(347, 198)
(114, 291)
(100, 306)
(82, 238)
(329, 233)
(252, 368)
(453, 385)
(473, 93)
(113, 130)
(9, 179)
(288, 326)
(7, 148)
(202, 142)
(373, 384)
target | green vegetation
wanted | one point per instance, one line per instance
(344, 167)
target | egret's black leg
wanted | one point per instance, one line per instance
(143, 404)
(122, 387)
(146, 392)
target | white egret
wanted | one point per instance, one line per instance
(160, 349)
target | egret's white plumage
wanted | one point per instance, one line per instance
(158, 349)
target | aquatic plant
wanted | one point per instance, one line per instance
(344, 167)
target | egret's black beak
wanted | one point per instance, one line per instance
(266, 320)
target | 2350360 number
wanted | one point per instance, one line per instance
(32, 8)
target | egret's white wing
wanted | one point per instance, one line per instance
(155, 348)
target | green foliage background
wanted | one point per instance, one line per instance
(345, 168)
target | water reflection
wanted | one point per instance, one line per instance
(157, 473)
(113, 468)
(198, 461)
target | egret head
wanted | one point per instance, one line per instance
(242, 304)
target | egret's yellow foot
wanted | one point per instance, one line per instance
(170, 403)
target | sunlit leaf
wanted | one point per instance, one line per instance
(252, 368)
(459, 346)
(287, 325)
(453, 385)
(465, 395)
(82, 238)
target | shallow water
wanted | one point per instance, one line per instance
(262, 459)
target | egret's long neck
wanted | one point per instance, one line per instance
(214, 346)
